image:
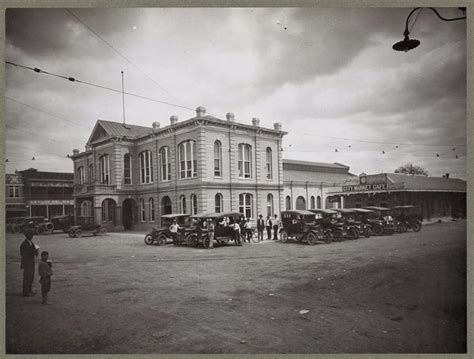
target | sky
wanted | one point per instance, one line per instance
(328, 75)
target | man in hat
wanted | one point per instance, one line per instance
(28, 252)
(260, 227)
(210, 232)
(174, 228)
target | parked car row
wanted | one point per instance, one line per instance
(41, 225)
(193, 230)
(327, 225)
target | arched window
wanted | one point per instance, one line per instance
(86, 209)
(194, 204)
(217, 159)
(151, 204)
(245, 160)
(318, 201)
(245, 204)
(166, 207)
(270, 205)
(108, 210)
(104, 169)
(142, 210)
(313, 203)
(300, 203)
(146, 167)
(218, 203)
(288, 203)
(187, 159)
(91, 173)
(127, 169)
(269, 165)
(80, 175)
(165, 163)
(182, 203)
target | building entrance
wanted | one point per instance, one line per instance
(129, 213)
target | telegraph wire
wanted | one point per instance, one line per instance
(72, 79)
(117, 52)
(45, 112)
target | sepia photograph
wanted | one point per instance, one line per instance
(235, 180)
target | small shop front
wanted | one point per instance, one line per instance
(434, 196)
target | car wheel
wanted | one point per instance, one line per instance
(103, 230)
(377, 230)
(148, 239)
(353, 233)
(39, 231)
(283, 236)
(328, 237)
(311, 238)
(205, 242)
(337, 235)
(71, 234)
(161, 241)
(78, 233)
(416, 226)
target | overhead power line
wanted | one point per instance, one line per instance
(45, 112)
(117, 51)
(72, 79)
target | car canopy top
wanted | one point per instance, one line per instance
(404, 207)
(362, 210)
(378, 208)
(301, 212)
(327, 211)
(175, 215)
(345, 210)
(217, 215)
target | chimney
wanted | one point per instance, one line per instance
(173, 120)
(75, 152)
(447, 175)
(277, 126)
(230, 116)
(156, 126)
(256, 122)
(200, 111)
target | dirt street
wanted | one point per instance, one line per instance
(404, 293)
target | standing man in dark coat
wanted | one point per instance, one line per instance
(276, 226)
(28, 253)
(260, 227)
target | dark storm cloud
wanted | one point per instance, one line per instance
(327, 40)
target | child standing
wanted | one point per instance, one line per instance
(45, 272)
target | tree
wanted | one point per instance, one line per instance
(411, 169)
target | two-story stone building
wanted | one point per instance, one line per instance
(129, 175)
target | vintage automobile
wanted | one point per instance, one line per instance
(330, 220)
(62, 223)
(354, 228)
(12, 224)
(87, 227)
(23, 223)
(223, 229)
(407, 217)
(162, 235)
(301, 225)
(382, 219)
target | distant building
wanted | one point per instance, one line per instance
(15, 204)
(435, 196)
(306, 184)
(129, 175)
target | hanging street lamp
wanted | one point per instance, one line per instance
(408, 44)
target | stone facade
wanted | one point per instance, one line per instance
(103, 195)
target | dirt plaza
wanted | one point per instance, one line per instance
(404, 293)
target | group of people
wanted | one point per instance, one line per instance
(241, 226)
(268, 224)
(28, 252)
